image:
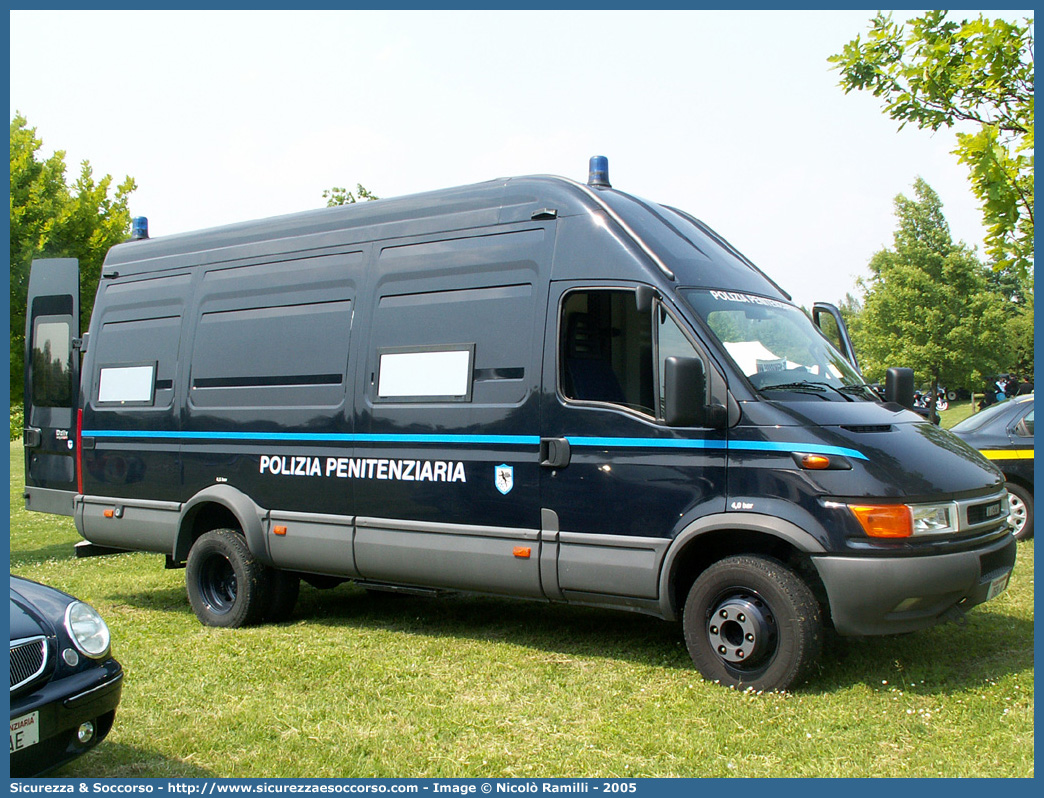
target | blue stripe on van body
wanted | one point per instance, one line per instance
(479, 440)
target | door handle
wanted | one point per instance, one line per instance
(554, 452)
(32, 437)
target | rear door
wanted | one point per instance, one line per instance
(52, 382)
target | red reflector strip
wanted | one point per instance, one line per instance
(78, 454)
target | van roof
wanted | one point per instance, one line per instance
(701, 256)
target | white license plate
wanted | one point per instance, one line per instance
(25, 731)
(998, 585)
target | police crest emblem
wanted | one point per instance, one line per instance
(504, 478)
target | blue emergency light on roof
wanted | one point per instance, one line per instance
(139, 228)
(598, 172)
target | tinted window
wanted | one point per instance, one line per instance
(278, 355)
(606, 350)
(52, 363)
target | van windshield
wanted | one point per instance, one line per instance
(778, 348)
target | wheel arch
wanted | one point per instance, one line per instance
(709, 539)
(217, 507)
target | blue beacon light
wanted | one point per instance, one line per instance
(598, 172)
(139, 228)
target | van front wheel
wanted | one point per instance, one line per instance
(226, 584)
(752, 623)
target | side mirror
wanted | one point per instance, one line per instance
(685, 389)
(899, 386)
(643, 297)
(835, 331)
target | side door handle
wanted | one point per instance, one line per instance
(554, 452)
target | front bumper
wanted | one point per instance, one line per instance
(64, 704)
(890, 595)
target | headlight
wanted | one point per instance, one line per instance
(905, 520)
(87, 630)
(933, 519)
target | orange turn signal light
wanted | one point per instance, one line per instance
(522, 552)
(108, 513)
(815, 462)
(279, 530)
(884, 520)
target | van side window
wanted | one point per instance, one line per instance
(451, 344)
(606, 350)
(670, 342)
(278, 355)
(136, 361)
(431, 373)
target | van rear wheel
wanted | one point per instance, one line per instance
(226, 584)
(751, 622)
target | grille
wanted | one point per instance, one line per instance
(981, 513)
(28, 660)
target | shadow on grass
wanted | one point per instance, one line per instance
(946, 659)
(943, 660)
(115, 761)
(57, 551)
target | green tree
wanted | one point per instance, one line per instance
(977, 73)
(928, 302)
(341, 196)
(52, 219)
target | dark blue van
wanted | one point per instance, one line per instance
(528, 387)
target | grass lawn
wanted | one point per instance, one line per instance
(369, 686)
(955, 413)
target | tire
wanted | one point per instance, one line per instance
(951, 396)
(1020, 503)
(941, 404)
(282, 591)
(226, 584)
(752, 623)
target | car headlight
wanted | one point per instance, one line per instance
(933, 519)
(87, 630)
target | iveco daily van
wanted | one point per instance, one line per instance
(529, 387)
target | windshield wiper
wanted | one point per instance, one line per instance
(861, 388)
(808, 386)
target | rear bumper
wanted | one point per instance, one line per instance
(890, 595)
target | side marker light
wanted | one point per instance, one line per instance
(522, 552)
(279, 530)
(815, 462)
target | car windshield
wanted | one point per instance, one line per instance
(777, 347)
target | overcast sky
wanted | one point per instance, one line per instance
(733, 116)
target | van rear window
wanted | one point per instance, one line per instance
(51, 363)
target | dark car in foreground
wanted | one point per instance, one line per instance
(1003, 433)
(65, 685)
